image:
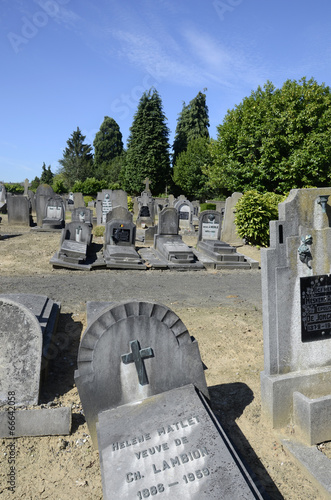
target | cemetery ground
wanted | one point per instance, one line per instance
(221, 309)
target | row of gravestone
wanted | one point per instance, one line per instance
(168, 251)
(48, 207)
(141, 383)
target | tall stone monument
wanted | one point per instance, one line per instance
(296, 292)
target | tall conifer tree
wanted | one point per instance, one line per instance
(148, 147)
(77, 161)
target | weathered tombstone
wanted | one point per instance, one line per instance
(141, 382)
(75, 241)
(2, 194)
(119, 241)
(26, 187)
(229, 233)
(79, 200)
(169, 249)
(185, 213)
(54, 213)
(213, 252)
(43, 192)
(146, 207)
(172, 200)
(83, 215)
(296, 295)
(27, 326)
(19, 210)
(107, 200)
(69, 202)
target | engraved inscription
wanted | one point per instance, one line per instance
(315, 308)
(161, 458)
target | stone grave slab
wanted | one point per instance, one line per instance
(169, 445)
(119, 241)
(106, 380)
(169, 250)
(21, 351)
(75, 247)
(146, 207)
(213, 252)
(27, 326)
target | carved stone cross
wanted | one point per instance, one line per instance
(147, 183)
(137, 356)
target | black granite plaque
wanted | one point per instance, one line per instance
(315, 292)
(120, 234)
(184, 215)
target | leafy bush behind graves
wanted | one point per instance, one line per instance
(15, 188)
(87, 199)
(207, 206)
(91, 186)
(254, 211)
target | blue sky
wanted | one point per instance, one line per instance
(69, 63)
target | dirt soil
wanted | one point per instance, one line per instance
(221, 309)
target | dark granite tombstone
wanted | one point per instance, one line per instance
(213, 252)
(75, 241)
(54, 214)
(169, 249)
(119, 241)
(19, 210)
(27, 328)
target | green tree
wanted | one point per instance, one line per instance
(108, 146)
(275, 140)
(46, 175)
(148, 147)
(34, 184)
(193, 122)
(188, 173)
(59, 185)
(77, 161)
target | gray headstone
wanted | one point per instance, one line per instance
(131, 351)
(54, 217)
(19, 210)
(79, 200)
(169, 445)
(2, 193)
(20, 353)
(185, 213)
(83, 215)
(168, 221)
(43, 192)
(229, 233)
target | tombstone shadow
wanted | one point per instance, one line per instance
(228, 402)
(62, 364)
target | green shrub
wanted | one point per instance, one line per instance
(99, 230)
(254, 211)
(15, 188)
(207, 206)
(130, 204)
(87, 199)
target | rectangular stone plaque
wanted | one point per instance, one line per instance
(209, 231)
(169, 446)
(106, 207)
(183, 215)
(315, 292)
(122, 234)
